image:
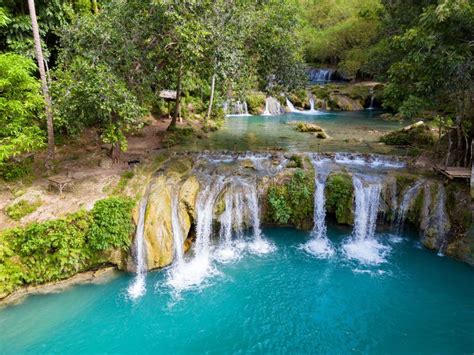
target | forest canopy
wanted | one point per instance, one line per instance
(106, 61)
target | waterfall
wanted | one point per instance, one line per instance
(178, 237)
(319, 245)
(362, 245)
(259, 245)
(441, 219)
(237, 108)
(272, 107)
(371, 107)
(291, 107)
(407, 200)
(138, 287)
(321, 75)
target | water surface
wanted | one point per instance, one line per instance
(285, 301)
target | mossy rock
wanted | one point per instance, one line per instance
(418, 135)
(340, 197)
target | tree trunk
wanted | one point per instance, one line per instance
(448, 155)
(211, 100)
(115, 152)
(44, 84)
(178, 100)
(95, 8)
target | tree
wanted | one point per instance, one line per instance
(88, 95)
(44, 84)
(437, 68)
(20, 105)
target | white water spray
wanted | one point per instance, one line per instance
(319, 245)
(362, 245)
(138, 287)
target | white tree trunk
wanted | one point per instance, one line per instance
(211, 100)
(44, 83)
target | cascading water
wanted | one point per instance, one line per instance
(237, 108)
(319, 245)
(311, 111)
(138, 287)
(407, 200)
(272, 107)
(193, 272)
(441, 219)
(362, 245)
(320, 75)
(259, 245)
(178, 238)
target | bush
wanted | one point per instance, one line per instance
(292, 202)
(57, 249)
(255, 102)
(22, 208)
(13, 171)
(295, 162)
(111, 224)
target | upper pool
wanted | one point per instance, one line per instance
(356, 131)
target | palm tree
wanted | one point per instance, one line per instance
(44, 83)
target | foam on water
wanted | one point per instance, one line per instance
(366, 251)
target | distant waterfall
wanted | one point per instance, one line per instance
(236, 108)
(407, 200)
(138, 287)
(362, 245)
(272, 107)
(319, 245)
(321, 75)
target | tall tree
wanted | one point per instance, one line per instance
(44, 83)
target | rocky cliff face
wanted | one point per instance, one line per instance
(286, 186)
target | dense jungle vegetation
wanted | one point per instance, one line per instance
(103, 63)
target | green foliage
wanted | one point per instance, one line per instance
(15, 170)
(21, 209)
(255, 102)
(296, 161)
(20, 104)
(57, 249)
(111, 224)
(88, 95)
(292, 202)
(124, 179)
(340, 196)
(177, 136)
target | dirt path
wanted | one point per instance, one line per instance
(87, 163)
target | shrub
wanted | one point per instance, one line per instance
(255, 102)
(111, 224)
(57, 249)
(22, 208)
(13, 171)
(417, 136)
(295, 162)
(292, 202)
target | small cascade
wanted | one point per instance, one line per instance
(362, 245)
(319, 245)
(321, 75)
(272, 107)
(178, 237)
(259, 245)
(291, 107)
(408, 197)
(371, 107)
(138, 287)
(237, 108)
(441, 217)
